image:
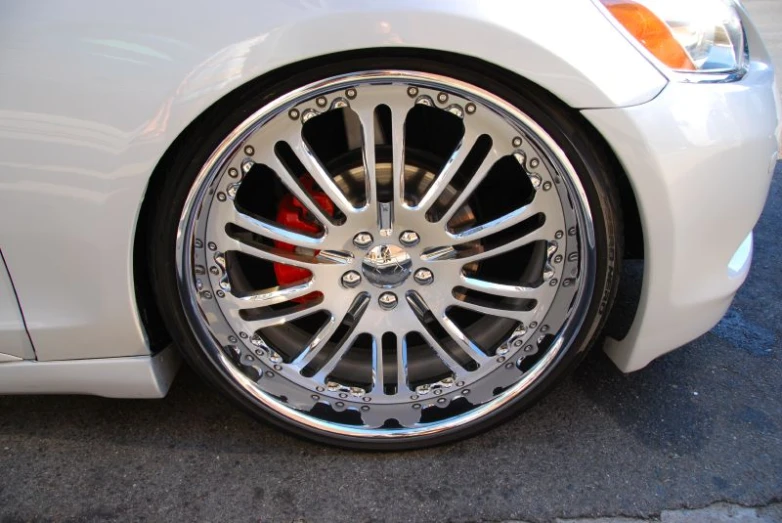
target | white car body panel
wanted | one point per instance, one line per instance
(14, 342)
(92, 94)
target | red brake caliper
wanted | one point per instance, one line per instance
(293, 215)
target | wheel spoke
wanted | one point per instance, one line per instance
(378, 377)
(272, 254)
(497, 225)
(401, 365)
(352, 318)
(498, 289)
(271, 296)
(448, 171)
(398, 118)
(443, 354)
(461, 339)
(541, 233)
(366, 116)
(272, 231)
(321, 176)
(480, 173)
(292, 184)
(494, 311)
(316, 344)
(273, 318)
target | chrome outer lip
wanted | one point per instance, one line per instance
(216, 164)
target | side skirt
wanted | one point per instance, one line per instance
(131, 377)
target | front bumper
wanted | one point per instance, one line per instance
(700, 159)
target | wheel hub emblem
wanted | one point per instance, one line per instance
(387, 266)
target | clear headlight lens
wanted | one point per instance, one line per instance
(690, 36)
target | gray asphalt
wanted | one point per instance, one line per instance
(699, 426)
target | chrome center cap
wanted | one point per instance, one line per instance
(387, 266)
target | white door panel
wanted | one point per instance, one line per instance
(14, 342)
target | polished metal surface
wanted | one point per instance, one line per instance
(386, 300)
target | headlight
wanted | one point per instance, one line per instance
(687, 36)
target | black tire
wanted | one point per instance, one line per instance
(176, 174)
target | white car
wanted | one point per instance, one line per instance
(383, 224)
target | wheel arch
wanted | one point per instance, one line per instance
(150, 316)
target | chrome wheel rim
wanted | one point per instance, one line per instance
(391, 266)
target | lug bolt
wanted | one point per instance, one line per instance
(423, 276)
(362, 240)
(351, 279)
(388, 300)
(409, 238)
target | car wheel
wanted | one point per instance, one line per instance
(386, 252)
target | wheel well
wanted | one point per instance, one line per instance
(154, 325)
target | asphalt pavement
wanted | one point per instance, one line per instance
(699, 426)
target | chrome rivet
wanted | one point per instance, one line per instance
(206, 295)
(278, 367)
(460, 384)
(528, 348)
(233, 173)
(500, 359)
(470, 108)
(339, 404)
(362, 240)
(315, 397)
(572, 231)
(351, 93)
(220, 294)
(243, 335)
(409, 238)
(509, 365)
(553, 282)
(343, 395)
(221, 196)
(214, 270)
(533, 325)
(351, 279)
(573, 256)
(247, 166)
(416, 406)
(518, 342)
(249, 358)
(249, 150)
(441, 401)
(517, 142)
(321, 101)
(535, 180)
(423, 276)
(547, 186)
(437, 392)
(534, 163)
(232, 190)
(414, 397)
(212, 246)
(199, 269)
(442, 98)
(365, 408)
(567, 283)
(388, 301)
(558, 258)
(259, 352)
(544, 329)
(198, 244)
(558, 235)
(232, 339)
(293, 114)
(320, 389)
(412, 91)
(367, 399)
(465, 392)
